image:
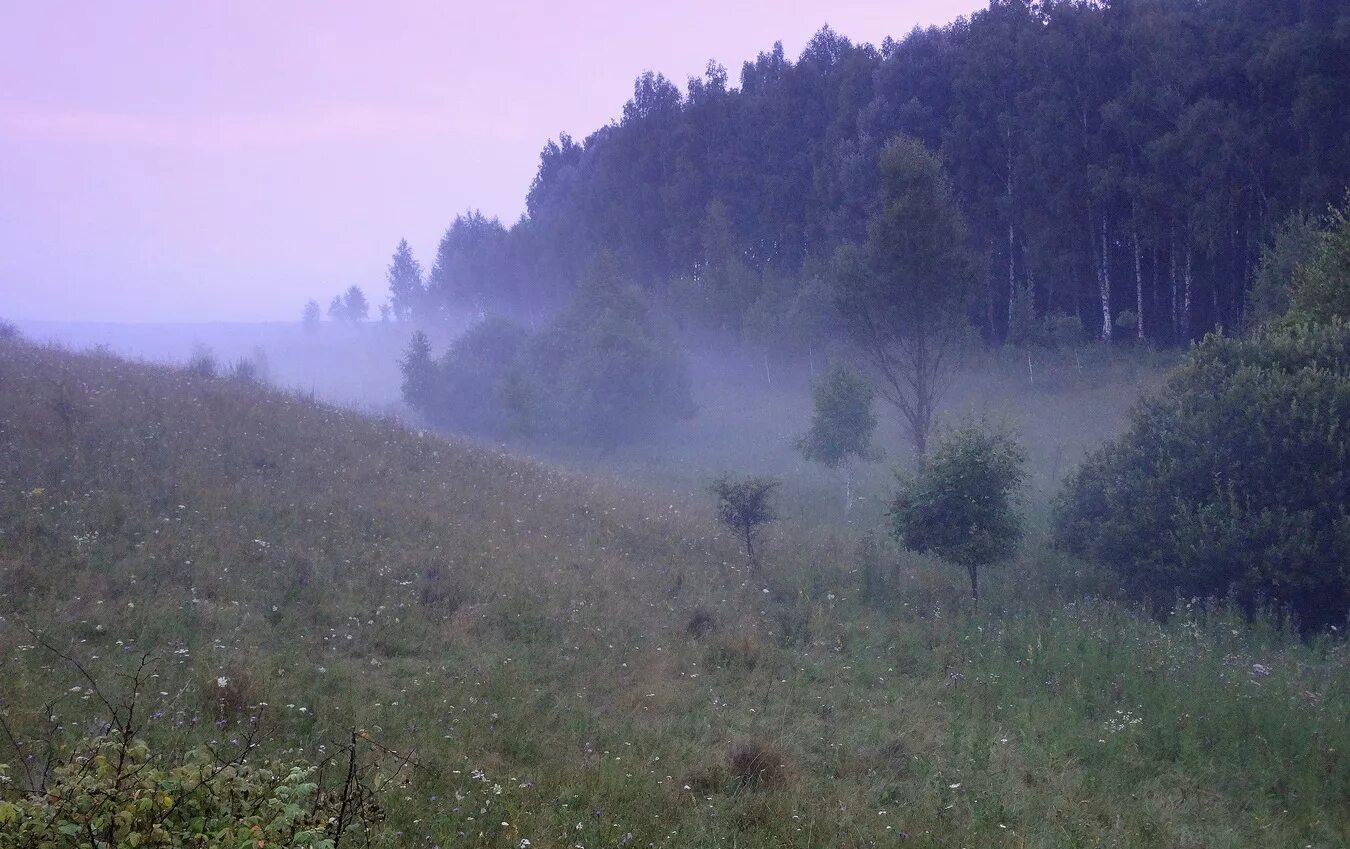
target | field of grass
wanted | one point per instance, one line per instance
(577, 661)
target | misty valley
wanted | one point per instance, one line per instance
(943, 443)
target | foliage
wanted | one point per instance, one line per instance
(471, 265)
(202, 363)
(611, 369)
(602, 372)
(8, 330)
(251, 369)
(904, 294)
(419, 386)
(350, 306)
(1293, 244)
(843, 423)
(116, 792)
(1233, 479)
(960, 505)
(406, 290)
(310, 316)
(463, 390)
(743, 505)
(1321, 290)
(1085, 141)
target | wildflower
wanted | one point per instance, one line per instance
(222, 681)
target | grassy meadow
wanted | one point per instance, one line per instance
(585, 660)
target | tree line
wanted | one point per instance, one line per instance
(1119, 166)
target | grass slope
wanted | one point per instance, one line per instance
(584, 664)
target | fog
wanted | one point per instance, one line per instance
(226, 164)
(446, 425)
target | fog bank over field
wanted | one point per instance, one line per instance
(352, 365)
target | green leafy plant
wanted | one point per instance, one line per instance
(842, 426)
(743, 505)
(960, 504)
(1233, 479)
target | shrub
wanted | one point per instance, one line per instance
(1234, 478)
(202, 363)
(114, 791)
(8, 330)
(960, 505)
(1294, 243)
(601, 373)
(611, 370)
(743, 505)
(1321, 285)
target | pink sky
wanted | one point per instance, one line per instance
(184, 161)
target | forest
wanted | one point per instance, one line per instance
(1118, 163)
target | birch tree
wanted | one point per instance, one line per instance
(904, 294)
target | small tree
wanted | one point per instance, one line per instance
(841, 429)
(1321, 287)
(419, 374)
(960, 505)
(743, 505)
(354, 304)
(904, 294)
(311, 315)
(406, 289)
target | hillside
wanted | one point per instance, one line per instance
(579, 662)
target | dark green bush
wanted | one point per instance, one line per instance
(604, 371)
(1233, 479)
(115, 791)
(960, 505)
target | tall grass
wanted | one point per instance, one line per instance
(530, 633)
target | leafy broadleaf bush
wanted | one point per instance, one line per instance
(116, 792)
(602, 372)
(1233, 479)
(743, 504)
(960, 506)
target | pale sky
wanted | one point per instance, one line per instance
(186, 161)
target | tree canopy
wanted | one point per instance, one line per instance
(1108, 157)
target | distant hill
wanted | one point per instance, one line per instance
(354, 365)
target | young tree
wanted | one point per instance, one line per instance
(310, 316)
(1321, 290)
(743, 505)
(354, 304)
(406, 289)
(904, 294)
(960, 505)
(1293, 245)
(841, 429)
(337, 311)
(419, 374)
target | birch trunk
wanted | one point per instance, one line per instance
(1138, 290)
(1186, 300)
(1104, 285)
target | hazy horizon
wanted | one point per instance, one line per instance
(190, 164)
